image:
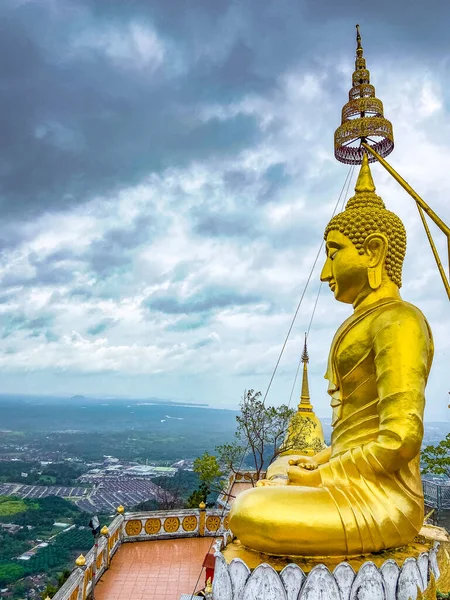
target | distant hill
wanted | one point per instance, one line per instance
(163, 419)
(6, 399)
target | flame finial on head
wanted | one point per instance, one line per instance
(365, 182)
(365, 196)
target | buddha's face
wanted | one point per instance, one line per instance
(345, 269)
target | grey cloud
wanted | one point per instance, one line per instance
(7, 296)
(101, 326)
(207, 341)
(12, 322)
(276, 174)
(11, 235)
(47, 271)
(10, 350)
(208, 299)
(61, 255)
(182, 269)
(237, 180)
(243, 220)
(276, 179)
(217, 224)
(81, 292)
(94, 126)
(51, 336)
(104, 259)
(112, 251)
(50, 276)
(189, 323)
(386, 24)
(133, 236)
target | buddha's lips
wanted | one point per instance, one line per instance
(332, 285)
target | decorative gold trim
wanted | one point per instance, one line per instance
(133, 527)
(362, 105)
(201, 525)
(152, 526)
(213, 523)
(366, 90)
(362, 118)
(189, 523)
(171, 524)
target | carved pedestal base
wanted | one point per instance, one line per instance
(412, 572)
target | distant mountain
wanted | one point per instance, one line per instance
(6, 399)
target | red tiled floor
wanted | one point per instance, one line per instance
(156, 570)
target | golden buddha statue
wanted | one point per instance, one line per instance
(364, 493)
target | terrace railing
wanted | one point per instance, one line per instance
(136, 527)
(181, 523)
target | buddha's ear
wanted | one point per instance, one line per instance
(376, 247)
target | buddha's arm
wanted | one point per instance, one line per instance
(402, 348)
(321, 457)
(316, 459)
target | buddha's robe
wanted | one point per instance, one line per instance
(370, 497)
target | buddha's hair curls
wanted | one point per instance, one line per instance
(365, 214)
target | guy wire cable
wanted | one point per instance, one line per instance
(347, 181)
(244, 454)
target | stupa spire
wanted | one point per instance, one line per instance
(358, 40)
(305, 399)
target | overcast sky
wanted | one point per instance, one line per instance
(166, 175)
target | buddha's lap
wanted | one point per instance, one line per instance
(289, 505)
(288, 520)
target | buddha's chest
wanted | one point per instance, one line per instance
(354, 370)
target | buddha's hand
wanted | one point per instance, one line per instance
(272, 482)
(299, 475)
(304, 463)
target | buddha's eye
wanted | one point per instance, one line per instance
(332, 254)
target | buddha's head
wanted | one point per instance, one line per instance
(365, 244)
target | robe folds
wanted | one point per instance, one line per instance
(370, 497)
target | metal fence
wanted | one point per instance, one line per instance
(436, 495)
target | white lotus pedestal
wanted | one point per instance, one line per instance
(412, 572)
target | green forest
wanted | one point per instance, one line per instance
(37, 518)
(63, 473)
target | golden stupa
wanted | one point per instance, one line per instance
(305, 419)
(304, 436)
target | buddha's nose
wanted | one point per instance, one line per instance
(326, 271)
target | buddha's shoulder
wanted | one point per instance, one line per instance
(399, 312)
